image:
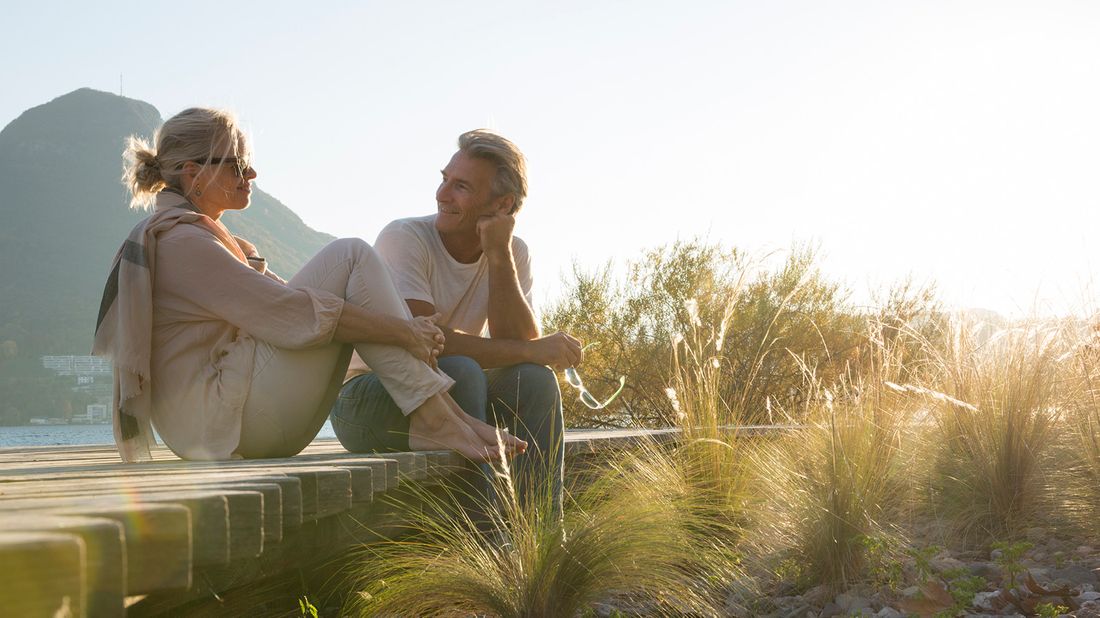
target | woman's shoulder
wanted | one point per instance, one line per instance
(194, 241)
(184, 232)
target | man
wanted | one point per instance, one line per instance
(464, 264)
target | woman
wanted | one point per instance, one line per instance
(222, 356)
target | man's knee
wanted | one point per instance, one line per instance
(529, 390)
(463, 370)
(357, 395)
(534, 383)
(471, 390)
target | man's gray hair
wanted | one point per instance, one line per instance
(511, 176)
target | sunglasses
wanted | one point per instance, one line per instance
(240, 168)
(574, 380)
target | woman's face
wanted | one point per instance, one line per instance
(224, 184)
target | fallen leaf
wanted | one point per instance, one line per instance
(1037, 588)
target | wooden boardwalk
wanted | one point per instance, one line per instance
(82, 533)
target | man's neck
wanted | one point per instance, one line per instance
(464, 248)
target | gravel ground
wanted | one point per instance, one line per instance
(1043, 575)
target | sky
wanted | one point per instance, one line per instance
(952, 142)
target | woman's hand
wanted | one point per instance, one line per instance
(248, 248)
(424, 339)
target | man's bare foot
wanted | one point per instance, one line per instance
(434, 426)
(488, 433)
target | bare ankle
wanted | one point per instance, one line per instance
(430, 416)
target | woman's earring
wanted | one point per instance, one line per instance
(198, 193)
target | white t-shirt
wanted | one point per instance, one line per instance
(423, 270)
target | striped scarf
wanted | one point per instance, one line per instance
(124, 329)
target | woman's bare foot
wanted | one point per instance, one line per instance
(434, 426)
(489, 433)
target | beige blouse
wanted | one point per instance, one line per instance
(208, 311)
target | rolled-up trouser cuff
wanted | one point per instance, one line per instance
(410, 392)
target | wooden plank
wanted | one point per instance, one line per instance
(360, 476)
(105, 558)
(329, 452)
(272, 508)
(325, 490)
(272, 493)
(244, 522)
(43, 574)
(157, 538)
(287, 508)
(163, 534)
(208, 535)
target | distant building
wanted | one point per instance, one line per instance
(97, 412)
(77, 365)
(92, 377)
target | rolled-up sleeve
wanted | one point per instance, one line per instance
(195, 265)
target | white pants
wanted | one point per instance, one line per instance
(293, 390)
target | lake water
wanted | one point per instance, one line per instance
(72, 435)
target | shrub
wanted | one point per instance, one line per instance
(778, 321)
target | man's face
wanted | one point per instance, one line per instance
(465, 194)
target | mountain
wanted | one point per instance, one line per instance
(64, 213)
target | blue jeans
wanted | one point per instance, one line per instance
(524, 398)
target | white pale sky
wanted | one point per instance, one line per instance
(956, 141)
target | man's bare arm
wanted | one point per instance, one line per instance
(558, 350)
(510, 317)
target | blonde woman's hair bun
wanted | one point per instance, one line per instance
(141, 172)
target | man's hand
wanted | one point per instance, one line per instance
(495, 232)
(425, 340)
(559, 351)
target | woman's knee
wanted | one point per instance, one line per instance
(356, 248)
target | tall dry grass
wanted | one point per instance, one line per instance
(618, 541)
(996, 431)
(1080, 438)
(839, 487)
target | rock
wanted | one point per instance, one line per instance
(850, 602)
(945, 563)
(889, 612)
(1036, 535)
(984, 600)
(818, 595)
(996, 554)
(1073, 576)
(910, 593)
(986, 570)
(1085, 597)
(796, 612)
(1084, 550)
(1089, 609)
(831, 609)
(788, 602)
